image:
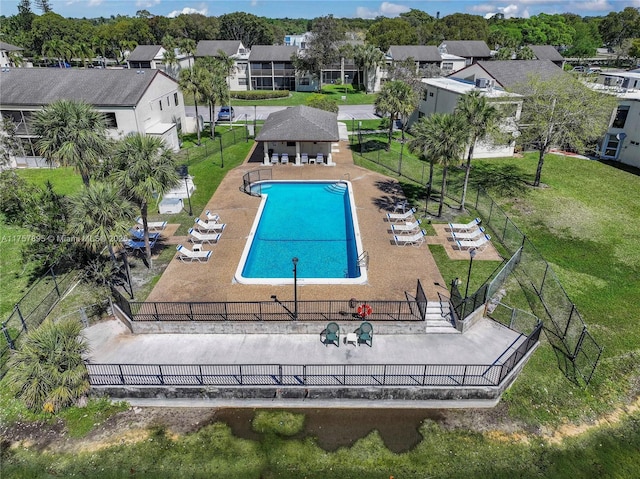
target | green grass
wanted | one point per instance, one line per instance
(14, 272)
(213, 452)
(65, 180)
(335, 92)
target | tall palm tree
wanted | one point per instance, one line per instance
(441, 137)
(102, 215)
(84, 51)
(48, 370)
(58, 49)
(145, 169)
(170, 59)
(368, 58)
(187, 46)
(398, 100)
(73, 133)
(481, 118)
(188, 83)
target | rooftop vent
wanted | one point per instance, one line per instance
(482, 82)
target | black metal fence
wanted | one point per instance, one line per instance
(256, 175)
(212, 146)
(32, 309)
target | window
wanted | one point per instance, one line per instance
(430, 93)
(447, 66)
(110, 120)
(291, 143)
(160, 103)
(611, 146)
(175, 98)
(168, 103)
(621, 116)
(303, 82)
(242, 81)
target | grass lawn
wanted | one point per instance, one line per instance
(335, 92)
(15, 275)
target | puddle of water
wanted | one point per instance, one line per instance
(336, 428)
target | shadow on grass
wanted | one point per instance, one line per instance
(506, 180)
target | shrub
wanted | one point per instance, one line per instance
(323, 103)
(259, 94)
(282, 423)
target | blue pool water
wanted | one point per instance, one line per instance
(312, 221)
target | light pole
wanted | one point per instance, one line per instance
(294, 260)
(246, 129)
(221, 154)
(472, 253)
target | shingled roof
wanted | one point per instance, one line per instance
(272, 53)
(7, 47)
(467, 48)
(546, 52)
(420, 53)
(100, 88)
(300, 123)
(509, 73)
(210, 48)
(144, 53)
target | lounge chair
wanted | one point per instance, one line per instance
(397, 217)
(304, 159)
(274, 159)
(319, 159)
(153, 225)
(478, 244)
(185, 254)
(407, 227)
(415, 240)
(284, 158)
(401, 205)
(365, 334)
(215, 217)
(136, 244)
(209, 226)
(138, 234)
(198, 237)
(471, 235)
(330, 335)
(465, 227)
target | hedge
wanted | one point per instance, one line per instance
(259, 94)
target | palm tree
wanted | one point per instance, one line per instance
(188, 83)
(398, 100)
(102, 215)
(84, 51)
(212, 74)
(368, 58)
(170, 59)
(145, 169)
(481, 118)
(73, 133)
(442, 138)
(48, 370)
(58, 49)
(187, 46)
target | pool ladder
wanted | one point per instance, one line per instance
(363, 260)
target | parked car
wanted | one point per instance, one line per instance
(226, 113)
(594, 70)
(580, 69)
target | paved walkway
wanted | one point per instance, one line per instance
(392, 271)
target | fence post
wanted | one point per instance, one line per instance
(7, 336)
(53, 275)
(24, 324)
(121, 375)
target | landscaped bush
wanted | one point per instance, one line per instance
(259, 94)
(282, 423)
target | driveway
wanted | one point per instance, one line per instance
(347, 112)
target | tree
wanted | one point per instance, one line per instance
(440, 137)
(247, 28)
(563, 113)
(391, 31)
(73, 133)
(525, 53)
(43, 5)
(10, 146)
(58, 49)
(398, 100)
(101, 216)
(320, 102)
(187, 46)
(481, 118)
(145, 169)
(617, 27)
(188, 83)
(322, 48)
(170, 59)
(368, 58)
(48, 371)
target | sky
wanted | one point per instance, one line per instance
(317, 8)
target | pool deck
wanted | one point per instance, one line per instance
(393, 270)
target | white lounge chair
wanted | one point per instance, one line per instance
(415, 240)
(153, 225)
(304, 159)
(319, 159)
(197, 237)
(478, 244)
(406, 228)
(284, 158)
(465, 227)
(470, 235)
(274, 159)
(185, 254)
(397, 217)
(215, 217)
(210, 226)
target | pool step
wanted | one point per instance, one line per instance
(337, 188)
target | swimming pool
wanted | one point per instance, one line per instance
(314, 221)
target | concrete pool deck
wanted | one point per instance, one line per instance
(393, 270)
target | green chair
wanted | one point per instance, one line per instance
(365, 334)
(331, 335)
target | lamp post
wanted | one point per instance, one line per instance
(246, 129)
(294, 260)
(221, 155)
(472, 253)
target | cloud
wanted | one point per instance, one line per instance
(386, 9)
(510, 11)
(144, 4)
(90, 3)
(187, 11)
